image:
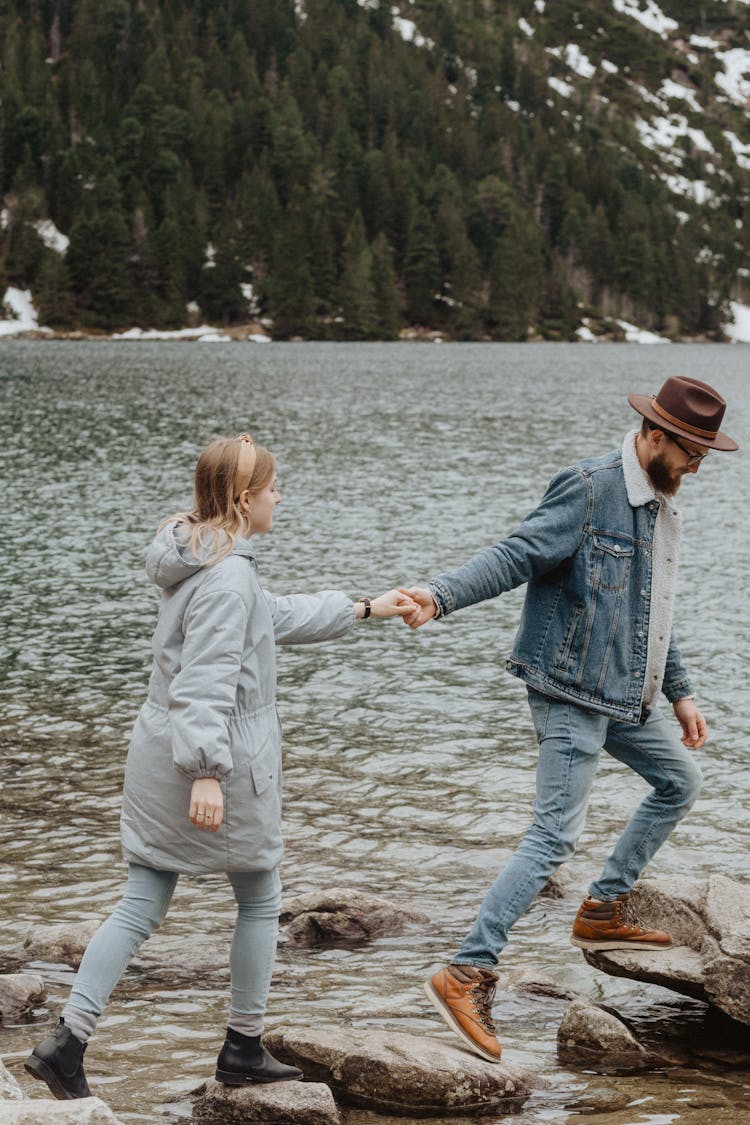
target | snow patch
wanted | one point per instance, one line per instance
(52, 238)
(563, 88)
(23, 316)
(407, 29)
(526, 27)
(703, 42)
(697, 190)
(735, 81)
(652, 17)
(585, 334)
(740, 150)
(574, 58)
(671, 89)
(610, 67)
(738, 328)
(663, 132)
(203, 330)
(636, 335)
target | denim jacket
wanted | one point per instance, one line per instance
(586, 554)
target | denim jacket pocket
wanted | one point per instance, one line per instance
(611, 557)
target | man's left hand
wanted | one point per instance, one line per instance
(694, 729)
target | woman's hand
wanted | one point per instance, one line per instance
(393, 603)
(206, 804)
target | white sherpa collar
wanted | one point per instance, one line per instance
(638, 486)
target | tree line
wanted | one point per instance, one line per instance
(310, 165)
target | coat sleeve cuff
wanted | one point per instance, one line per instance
(442, 597)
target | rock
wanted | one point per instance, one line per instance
(84, 1111)
(709, 921)
(19, 994)
(599, 1099)
(281, 1103)
(595, 1038)
(561, 884)
(398, 1073)
(528, 983)
(342, 914)
(10, 1091)
(63, 944)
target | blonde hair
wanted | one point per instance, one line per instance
(217, 518)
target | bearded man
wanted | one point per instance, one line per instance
(595, 648)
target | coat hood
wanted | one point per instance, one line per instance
(170, 560)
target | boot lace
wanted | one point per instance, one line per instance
(628, 916)
(483, 994)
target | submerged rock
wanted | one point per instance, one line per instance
(62, 944)
(279, 1103)
(19, 994)
(10, 1091)
(399, 1073)
(342, 914)
(84, 1111)
(597, 1039)
(709, 921)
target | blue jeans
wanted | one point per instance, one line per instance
(570, 741)
(142, 909)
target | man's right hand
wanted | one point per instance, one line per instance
(426, 609)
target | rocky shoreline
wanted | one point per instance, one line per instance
(419, 1077)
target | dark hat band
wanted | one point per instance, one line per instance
(679, 422)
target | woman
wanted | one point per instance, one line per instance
(203, 773)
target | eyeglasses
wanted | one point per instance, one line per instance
(692, 457)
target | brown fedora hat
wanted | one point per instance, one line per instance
(689, 408)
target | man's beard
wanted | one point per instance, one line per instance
(662, 477)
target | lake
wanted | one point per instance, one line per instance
(409, 757)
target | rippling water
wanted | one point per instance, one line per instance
(409, 758)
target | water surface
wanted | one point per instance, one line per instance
(409, 757)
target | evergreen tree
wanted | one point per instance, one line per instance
(357, 299)
(386, 295)
(421, 268)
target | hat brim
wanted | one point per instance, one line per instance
(643, 404)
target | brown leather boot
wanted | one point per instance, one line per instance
(612, 925)
(463, 995)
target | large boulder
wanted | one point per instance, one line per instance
(709, 921)
(342, 915)
(84, 1111)
(62, 944)
(393, 1072)
(20, 993)
(10, 1091)
(595, 1038)
(281, 1103)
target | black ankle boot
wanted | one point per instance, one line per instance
(243, 1059)
(58, 1061)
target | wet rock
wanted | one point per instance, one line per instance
(559, 885)
(399, 1073)
(528, 983)
(281, 1103)
(84, 1111)
(709, 921)
(10, 1091)
(63, 944)
(599, 1099)
(595, 1038)
(342, 914)
(19, 994)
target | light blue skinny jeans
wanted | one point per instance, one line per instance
(142, 910)
(570, 741)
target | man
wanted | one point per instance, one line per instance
(595, 649)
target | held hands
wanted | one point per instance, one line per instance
(393, 603)
(206, 804)
(694, 729)
(424, 606)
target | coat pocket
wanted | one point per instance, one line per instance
(264, 766)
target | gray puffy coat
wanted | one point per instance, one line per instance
(211, 709)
